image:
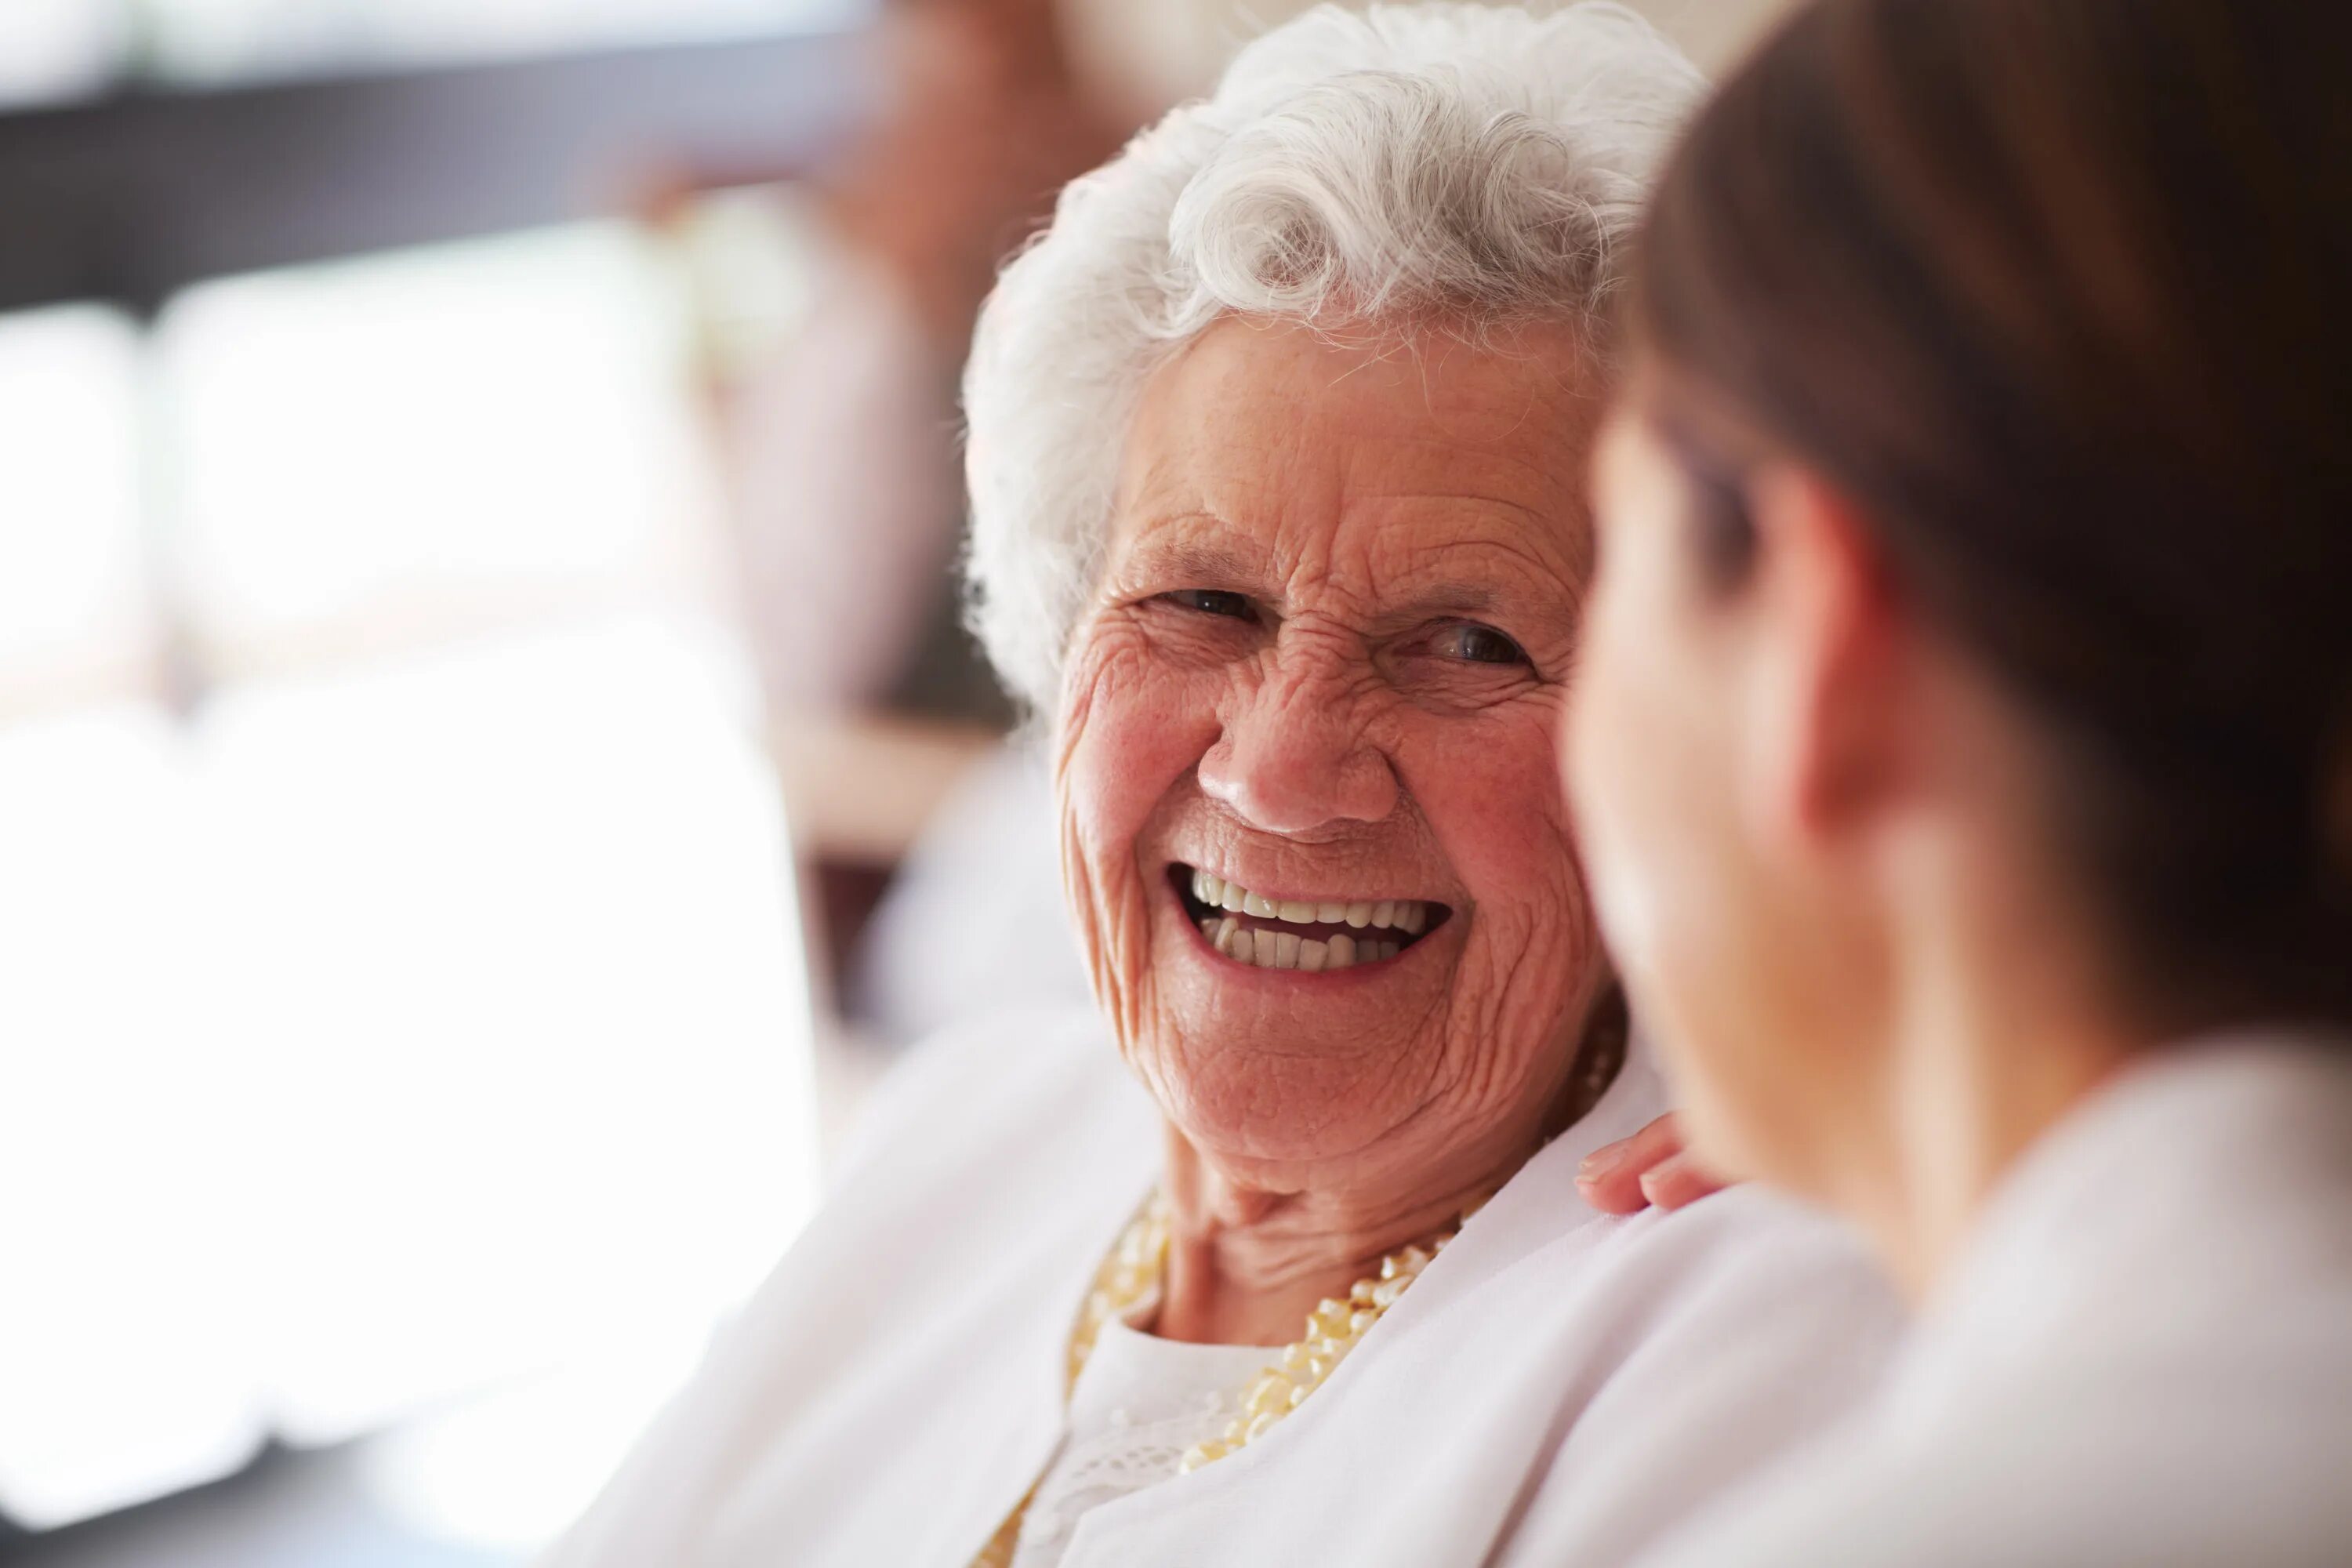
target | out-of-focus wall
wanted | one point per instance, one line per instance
(1713, 31)
(1149, 54)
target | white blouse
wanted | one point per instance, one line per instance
(1559, 1386)
(2143, 1358)
(1139, 1405)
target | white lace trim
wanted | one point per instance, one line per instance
(1138, 1406)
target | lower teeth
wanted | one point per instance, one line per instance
(1285, 950)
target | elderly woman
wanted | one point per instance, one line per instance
(1278, 462)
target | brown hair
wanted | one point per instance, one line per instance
(2055, 291)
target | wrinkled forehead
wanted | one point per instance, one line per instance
(1364, 464)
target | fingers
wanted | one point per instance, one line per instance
(1612, 1176)
(1676, 1181)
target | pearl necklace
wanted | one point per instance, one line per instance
(1132, 1271)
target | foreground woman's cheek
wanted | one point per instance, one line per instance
(1606, 750)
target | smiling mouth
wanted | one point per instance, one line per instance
(1307, 935)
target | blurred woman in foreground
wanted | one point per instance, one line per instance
(1963, 744)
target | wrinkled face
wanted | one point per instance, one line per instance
(1309, 796)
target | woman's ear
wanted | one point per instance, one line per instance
(1828, 699)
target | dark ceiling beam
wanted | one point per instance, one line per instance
(133, 197)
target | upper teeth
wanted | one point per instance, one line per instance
(1407, 915)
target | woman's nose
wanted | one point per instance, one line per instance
(1294, 756)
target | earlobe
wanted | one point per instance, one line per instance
(1829, 685)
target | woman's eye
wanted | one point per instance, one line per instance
(1213, 602)
(1479, 644)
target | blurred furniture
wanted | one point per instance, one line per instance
(858, 791)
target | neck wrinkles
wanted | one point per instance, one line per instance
(1246, 1263)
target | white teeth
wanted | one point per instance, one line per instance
(1285, 950)
(1288, 950)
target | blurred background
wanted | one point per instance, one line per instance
(488, 770)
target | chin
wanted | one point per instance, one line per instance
(1252, 1084)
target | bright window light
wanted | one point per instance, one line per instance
(521, 1007)
(72, 585)
(389, 438)
(424, 1014)
(220, 40)
(128, 1366)
(52, 50)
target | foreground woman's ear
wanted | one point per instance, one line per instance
(1651, 1167)
(1826, 676)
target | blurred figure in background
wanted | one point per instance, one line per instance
(848, 488)
(1277, 467)
(847, 492)
(1963, 745)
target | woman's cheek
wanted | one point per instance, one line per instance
(1619, 778)
(1497, 811)
(1511, 839)
(1123, 744)
(1124, 737)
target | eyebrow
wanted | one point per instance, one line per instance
(1207, 563)
(1456, 599)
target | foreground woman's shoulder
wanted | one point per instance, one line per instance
(1751, 1245)
(1688, 1352)
(1742, 1329)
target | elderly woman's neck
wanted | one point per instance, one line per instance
(1248, 1259)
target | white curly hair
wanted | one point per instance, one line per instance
(1479, 164)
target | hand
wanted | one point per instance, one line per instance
(1650, 1167)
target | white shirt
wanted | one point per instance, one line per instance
(1557, 1386)
(2143, 1359)
(1139, 1405)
